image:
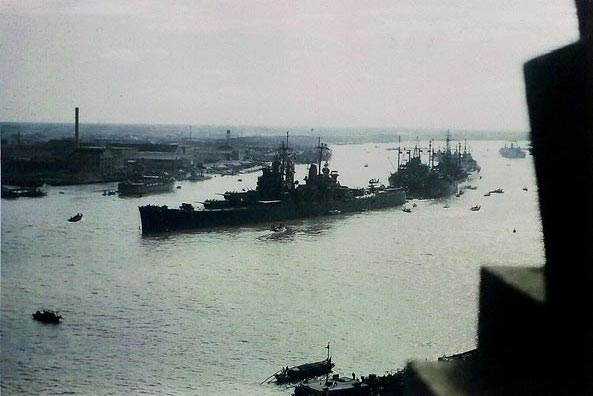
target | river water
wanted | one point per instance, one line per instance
(216, 312)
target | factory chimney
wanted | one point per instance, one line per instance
(76, 129)
(228, 137)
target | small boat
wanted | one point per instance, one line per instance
(525, 189)
(414, 205)
(334, 212)
(278, 228)
(304, 371)
(468, 355)
(47, 316)
(497, 191)
(75, 218)
(475, 208)
(407, 210)
(471, 187)
(446, 206)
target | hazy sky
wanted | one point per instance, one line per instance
(395, 63)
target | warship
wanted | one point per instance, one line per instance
(512, 151)
(459, 160)
(278, 197)
(438, 178)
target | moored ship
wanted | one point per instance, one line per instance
(24, 191)
(146, 185)
(277, 197)
(421, 181)
(439, 178)
(512, 151)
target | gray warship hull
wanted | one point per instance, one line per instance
(157, 219)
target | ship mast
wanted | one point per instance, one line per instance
(399, 149)
(446, 156)
(320, 155)
(327, 374)
(285, 158)
(432, 154)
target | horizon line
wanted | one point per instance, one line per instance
(395, 129)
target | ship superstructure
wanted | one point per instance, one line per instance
(439, 177)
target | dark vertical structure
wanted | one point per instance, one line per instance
(535, 325)
(559, 96)
(76, 129)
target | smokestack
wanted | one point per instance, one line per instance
(76, 131)
(228, 137)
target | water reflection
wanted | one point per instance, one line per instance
(188, 235)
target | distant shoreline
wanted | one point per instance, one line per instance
(39, 131)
